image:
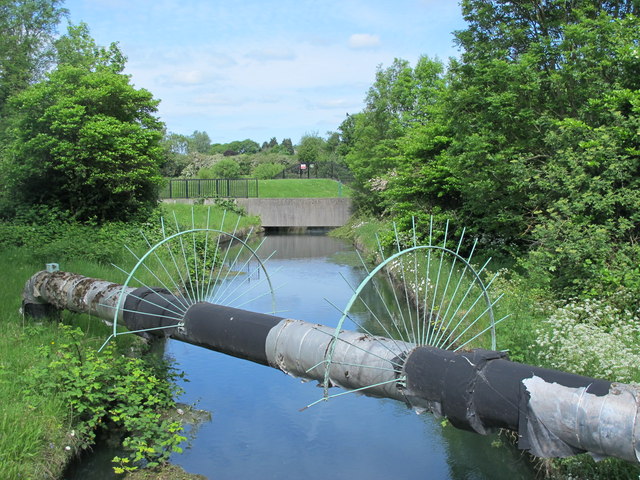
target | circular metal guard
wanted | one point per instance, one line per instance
(197, 264)
(419, 295)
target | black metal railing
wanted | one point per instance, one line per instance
(210, 188)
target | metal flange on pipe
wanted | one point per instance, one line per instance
(555, 414)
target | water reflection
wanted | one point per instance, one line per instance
(257, 428)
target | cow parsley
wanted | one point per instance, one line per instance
(591, 337)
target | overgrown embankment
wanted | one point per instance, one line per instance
(596, 337)
(57, 393)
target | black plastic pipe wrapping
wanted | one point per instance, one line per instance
(554, 413)
(481, 391)
(235, 332)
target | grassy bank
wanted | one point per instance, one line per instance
(37, 435)
(302, 188)
(596, 337)
(55, 390)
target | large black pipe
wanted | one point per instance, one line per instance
(480, 390)
(232, 331)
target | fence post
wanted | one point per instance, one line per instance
(170, 188)
(186, 188)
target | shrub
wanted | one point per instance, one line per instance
(264, 171)
(225, 168)
(125, 394)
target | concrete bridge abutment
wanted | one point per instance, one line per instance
(299, 212)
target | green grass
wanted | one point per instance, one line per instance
(31, 433)
(200, 216)
(302, 188)
(34, 433)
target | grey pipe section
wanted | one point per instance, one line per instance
(604, 425)
(46, 291)
(299, 349)
(555, 413)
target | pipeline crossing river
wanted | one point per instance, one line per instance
(257, 429)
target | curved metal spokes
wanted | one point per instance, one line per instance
(198, 264)
(420, 295)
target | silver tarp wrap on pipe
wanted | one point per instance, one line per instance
(560, 416)
(299, 348)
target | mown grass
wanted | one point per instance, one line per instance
(302, 188)
(201, 216)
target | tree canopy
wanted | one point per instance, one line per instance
(530, 138)
(83, 140)
(27, 30)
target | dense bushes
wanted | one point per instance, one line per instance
(52, 235)
(127, 395)
(82, 140)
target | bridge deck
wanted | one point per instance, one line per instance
(299, 212)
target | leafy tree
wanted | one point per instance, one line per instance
(310, 150)
(526, 67)
(244, 146)
(84, 140)
(238, 146)
(529, 74)
(287, 146)
(225, 168)
(175, 149)
(176, 143)
(398, 99)
(529, 139)
(199, 142)
(27, 29)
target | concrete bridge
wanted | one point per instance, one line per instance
(293, 212)
(299, 212)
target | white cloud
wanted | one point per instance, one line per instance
(192, 77)
(364, 40)
(276, 70)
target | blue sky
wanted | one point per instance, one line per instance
(265, 68)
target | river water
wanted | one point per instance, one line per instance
(258, 431)
(257, 428)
